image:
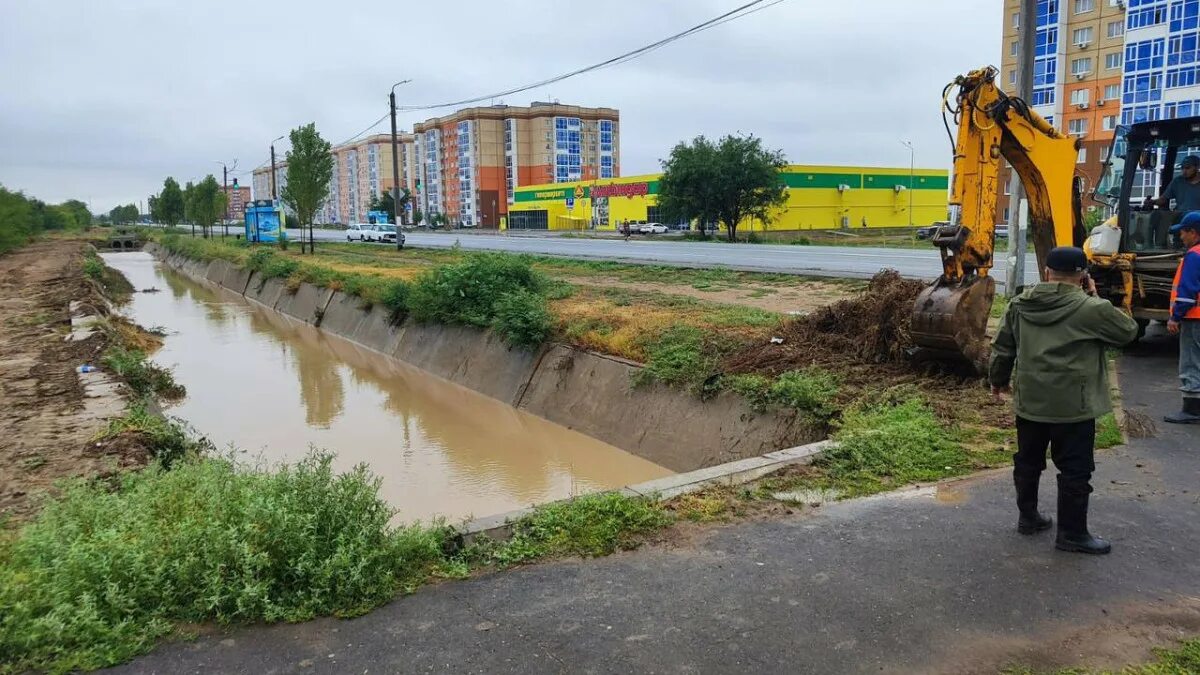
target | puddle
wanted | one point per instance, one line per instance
(273, 386)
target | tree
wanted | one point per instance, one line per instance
(124, 214)
(81, 215)
(188, 196)
(730, 181)
(17, 222)
(170, 203)
(205, 202)
(383, 202)
(417, 217)
(309, 170)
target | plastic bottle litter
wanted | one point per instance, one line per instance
(85, 368)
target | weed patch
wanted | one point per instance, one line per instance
(144, 377)
(466, 292)
(593, 525)
(101, 574)
(167, 441)
(678, 357)
(1108, 432)
(522, 318)
(880, 446)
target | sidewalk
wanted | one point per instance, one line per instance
(932, 580)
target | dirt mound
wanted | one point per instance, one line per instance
(872, 327)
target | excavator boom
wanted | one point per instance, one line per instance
(950, 316)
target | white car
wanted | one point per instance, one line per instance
(358, 231)
(384, 234)
(652, 228)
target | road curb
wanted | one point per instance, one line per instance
(499, 527)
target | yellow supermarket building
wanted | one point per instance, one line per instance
(819, 198)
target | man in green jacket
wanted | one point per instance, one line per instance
(1053, 337)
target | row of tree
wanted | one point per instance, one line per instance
(22, 217)
(124, 214)
(199, 204)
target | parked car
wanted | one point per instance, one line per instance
(652, 228)
(357, 231)
(1002, 231)
(384, 234)
(928, 232)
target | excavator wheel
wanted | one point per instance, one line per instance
(950, 321)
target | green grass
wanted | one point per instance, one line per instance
(102, 573)
(93, 266)
(680, 356)
(144, 377)
(167, 441)
(589, 526)
(1108, 432)
(810, 390)
(882, 446)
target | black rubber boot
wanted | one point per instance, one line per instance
(1030, 522)
(1073, 535)
(1189, 415)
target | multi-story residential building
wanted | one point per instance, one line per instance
(1079, 61)
(362, 171)
(469, 163)
(1102, 63)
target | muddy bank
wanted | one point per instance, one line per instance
(563, 384)
(51, 413)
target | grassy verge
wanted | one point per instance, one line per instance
(113, 283)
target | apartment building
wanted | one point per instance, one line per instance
(362, 171)
(1101, 63)
(472, 161)
(1079, 61)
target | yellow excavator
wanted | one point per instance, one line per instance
(1132, 259)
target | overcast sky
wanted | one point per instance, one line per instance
(104, 98)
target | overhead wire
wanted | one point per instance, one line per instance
(737, 13)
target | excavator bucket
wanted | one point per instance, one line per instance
(950, 321)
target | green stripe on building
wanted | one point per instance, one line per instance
(889, 181)
(821, 180)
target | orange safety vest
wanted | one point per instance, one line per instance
(1194, 312)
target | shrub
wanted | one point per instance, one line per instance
(92, 266)
(592, 525)
(522, 318)
(394, 296)
(102, 573)
(897, 444)
(466, 292)
(811, 390)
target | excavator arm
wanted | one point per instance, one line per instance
(950, 316)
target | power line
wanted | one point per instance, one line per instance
(731, 15)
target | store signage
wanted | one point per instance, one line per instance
(621, 190)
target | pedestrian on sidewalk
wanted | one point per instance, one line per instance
(1185, 319)
(1050, 349)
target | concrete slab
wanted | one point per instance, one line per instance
(307, 303)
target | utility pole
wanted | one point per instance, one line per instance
(1017, 231)
(912, 170)
(274, 191)
(395, 165)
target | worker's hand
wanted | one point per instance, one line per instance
(1089, 285)
(999, 393)
(1173, 327)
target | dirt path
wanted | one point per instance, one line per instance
(802, 297)
(50, 416)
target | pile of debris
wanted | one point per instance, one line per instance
(871, 328)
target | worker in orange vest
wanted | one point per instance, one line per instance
(1185, 319)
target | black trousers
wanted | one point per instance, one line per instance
(1072, 447)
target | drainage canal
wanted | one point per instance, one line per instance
(272, 387)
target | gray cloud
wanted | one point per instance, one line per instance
(104, 99)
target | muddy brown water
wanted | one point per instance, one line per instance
(273, 387)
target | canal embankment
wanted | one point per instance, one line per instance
(592, 393)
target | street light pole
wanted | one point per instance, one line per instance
(395, 165)
(912, 169)
(274, 190)
(225, 191)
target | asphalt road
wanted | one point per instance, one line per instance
(918, 581)
(833, 261)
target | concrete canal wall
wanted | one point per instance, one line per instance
(591, 393)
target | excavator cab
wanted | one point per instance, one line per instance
(1143, 160)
